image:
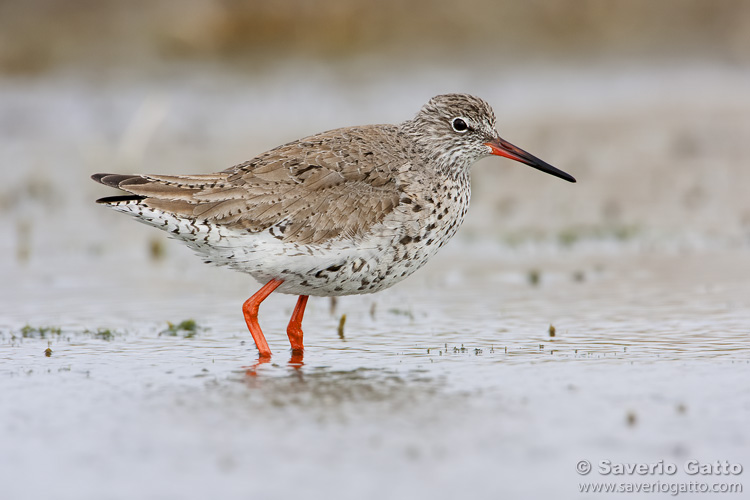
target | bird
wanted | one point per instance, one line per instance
(353, 210)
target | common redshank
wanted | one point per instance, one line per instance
(349, 211)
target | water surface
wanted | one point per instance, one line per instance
(447, 384)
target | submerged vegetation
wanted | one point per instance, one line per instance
(342, 322)
(102, 333)
(40, 332)
(534, 276)
(187, 329)
(402, 312)
(50, 332)
(573, 235)
(618, 232)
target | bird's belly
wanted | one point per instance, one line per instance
(337, 267)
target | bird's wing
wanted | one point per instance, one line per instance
(334, 184)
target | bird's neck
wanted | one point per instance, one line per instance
(446, 161)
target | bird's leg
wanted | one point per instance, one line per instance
(250, 310)
(294, 330)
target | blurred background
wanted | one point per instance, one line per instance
(646, 103)
(603, 319)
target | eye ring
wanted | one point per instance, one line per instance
(459, 125)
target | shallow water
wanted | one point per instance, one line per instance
(451, 385)
(446, 385)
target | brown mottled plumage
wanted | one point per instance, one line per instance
(318, 183)
(352, 210)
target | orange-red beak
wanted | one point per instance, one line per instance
(501, 147)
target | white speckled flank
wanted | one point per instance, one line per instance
(366, 263)
(348, 211)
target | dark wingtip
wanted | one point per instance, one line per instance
(111, 180)
(98, 177)
(120, 199)
(114, 180)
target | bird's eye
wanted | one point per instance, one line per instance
(459, 125)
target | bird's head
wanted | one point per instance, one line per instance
(455, 130)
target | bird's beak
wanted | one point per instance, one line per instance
(501, 147)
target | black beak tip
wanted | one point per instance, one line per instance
(556, 172)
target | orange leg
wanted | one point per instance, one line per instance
(294, 330)
(250, 310)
